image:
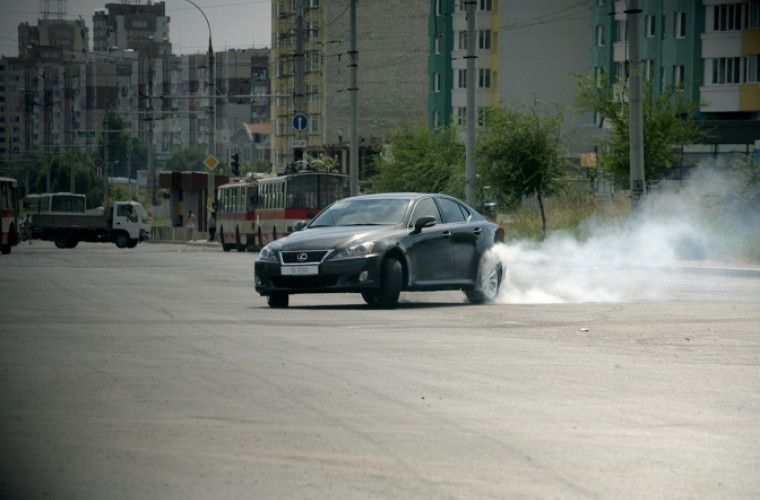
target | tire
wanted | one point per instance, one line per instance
(278, 300)
(61, 239)
(132, 243)
(390, 287)
(5, 249)
(225, 246)
(488, 284)
(121, 239)
(73, 242)
(238, 246)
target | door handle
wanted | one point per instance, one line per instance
(477, 231)
(446, 234)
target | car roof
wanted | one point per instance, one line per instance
(398, 196)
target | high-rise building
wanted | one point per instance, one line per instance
(140, 27)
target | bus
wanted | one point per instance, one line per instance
(257, 211)
(55, 203)
(9, 214)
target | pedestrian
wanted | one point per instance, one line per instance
(27, 225)
(211, 225)
(190, 224)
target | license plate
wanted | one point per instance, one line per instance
(300, 270)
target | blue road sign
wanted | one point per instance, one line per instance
(300, 121)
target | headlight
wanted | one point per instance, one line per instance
(266, 253)
(355, 251)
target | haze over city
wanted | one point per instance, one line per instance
(234, 23)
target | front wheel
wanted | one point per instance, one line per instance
(278, 300)
(122, 240)
(390, 288)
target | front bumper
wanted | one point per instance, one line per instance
(345, 275)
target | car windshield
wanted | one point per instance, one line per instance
(358, 212)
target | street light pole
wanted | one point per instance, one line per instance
(212, 107)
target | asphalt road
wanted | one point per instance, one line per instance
(158, 373)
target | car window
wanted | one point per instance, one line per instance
(452, 211)
(425, 207)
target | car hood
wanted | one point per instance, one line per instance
(324, 238)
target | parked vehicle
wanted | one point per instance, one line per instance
(255, 211)
(55, 203)
(379, 245)
(124, 223)
(9, 214)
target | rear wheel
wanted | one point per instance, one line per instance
(278, 300)
(390, 288)
(239, 246)
(487, 289)
(225, 246)
(61, 239)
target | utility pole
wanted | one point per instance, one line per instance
(298, 97)
(354, 90)
(106, 163)
(636, 123)
(470, 115)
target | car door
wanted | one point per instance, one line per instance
(464, 239)
(431, 251)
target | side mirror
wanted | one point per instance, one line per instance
(422, 222)
(298, 226)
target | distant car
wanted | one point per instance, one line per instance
(381, 244)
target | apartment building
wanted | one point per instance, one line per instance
(310, 72)
(526, 51)
(710, 46)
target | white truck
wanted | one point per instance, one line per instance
(124, 223)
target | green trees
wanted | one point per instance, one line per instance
(186, 160)
(667, 124)
(521, 153)
(423, 160)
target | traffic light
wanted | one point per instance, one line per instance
(235, 163)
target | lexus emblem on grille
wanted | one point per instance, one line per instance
(302, 257)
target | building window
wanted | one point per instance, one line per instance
(727, 17)
(752, 69)
(485, 5)
(484, 78)
(459, 115)
(462, 40)
(314, 125)
(622, 31)
(484, 39)
(680, 25)
(436, 119)
(600, 36)
(312, 61)
(437, 43)
(313, 92)
(650, 26)
(678, 74)
(726, 71)
(648, 72)
(437, 82)
(438, 7)
(314, 31)
(663, 27)
(461, 78)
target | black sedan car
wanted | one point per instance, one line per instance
(381, 244)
